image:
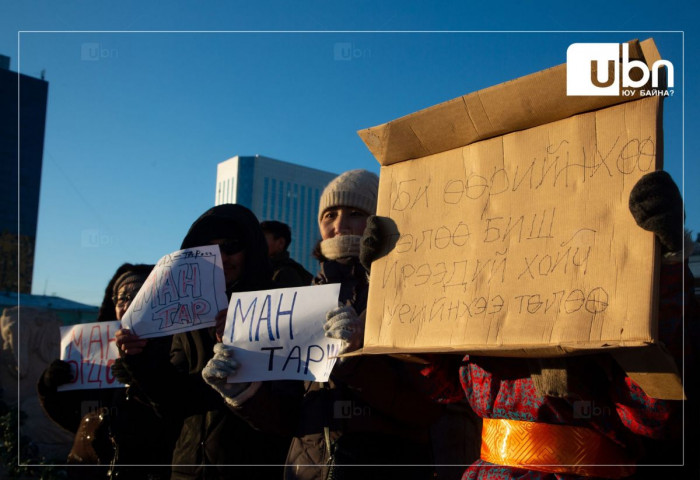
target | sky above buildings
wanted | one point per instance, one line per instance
(144, 102)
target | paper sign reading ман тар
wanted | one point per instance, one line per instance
(278, 334)
(184, 292)
(520, 244)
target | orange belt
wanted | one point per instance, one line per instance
(553, 449)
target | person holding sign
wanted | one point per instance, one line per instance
(212, 439)
(583, 416)
(110, 426)
(373, 410)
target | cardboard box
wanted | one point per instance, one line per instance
(515, 236)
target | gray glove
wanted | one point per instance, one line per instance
(219, 368)
(344, 324)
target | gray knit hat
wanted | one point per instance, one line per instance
(354, 188)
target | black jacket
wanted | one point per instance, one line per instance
(288, 273)
(213, 440)
(141, 437)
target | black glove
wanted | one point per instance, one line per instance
(57, 374)
(121, 372)
(657, 206)
(379, 238)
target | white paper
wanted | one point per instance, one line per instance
(278, 334)
(90, 350)
(184, 292)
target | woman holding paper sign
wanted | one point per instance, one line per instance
(129, 432)
(213, 440)
(372, 411)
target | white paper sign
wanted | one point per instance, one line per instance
(278, 334)
(184, 292)
(90, 350)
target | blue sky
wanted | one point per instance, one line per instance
(134, 133)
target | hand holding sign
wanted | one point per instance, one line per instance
(121, 372)
(128, 342)
(344, 324)
(657, 206)
(219, 368)
(57, 374)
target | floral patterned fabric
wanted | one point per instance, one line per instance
(601, 396)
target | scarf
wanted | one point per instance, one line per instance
(341, 246)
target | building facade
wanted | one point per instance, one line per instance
(276, 190)
(21, 152)
(694, 263)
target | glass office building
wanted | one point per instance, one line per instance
(276, 190)
(21, 151)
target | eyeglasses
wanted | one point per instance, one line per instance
(123, 299)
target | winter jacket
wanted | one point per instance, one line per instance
(214, 442)
(134, 434)
(373, 411)
(603, 399)
(288, 273)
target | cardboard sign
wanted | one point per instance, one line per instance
(90, 350)
(184, 292)
(521, 244)
(278, 334)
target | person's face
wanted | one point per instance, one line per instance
(274, 245)
(232, 258)
(337, 221)
(125, 295)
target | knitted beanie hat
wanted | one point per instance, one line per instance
(128, 277)
(354, 188)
